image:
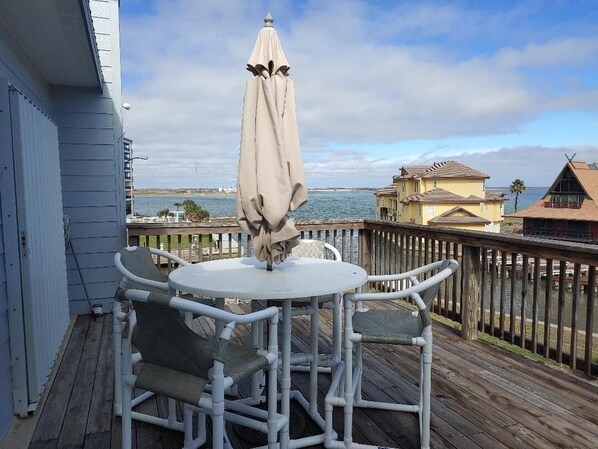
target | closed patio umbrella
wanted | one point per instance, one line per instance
(270, 179)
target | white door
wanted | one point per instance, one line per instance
(40, 317)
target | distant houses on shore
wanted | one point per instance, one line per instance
(447, 194)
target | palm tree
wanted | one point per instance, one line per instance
(517, 187)
(194, 212)
(164, 213)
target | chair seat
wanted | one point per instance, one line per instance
(398, 326)
(240, 362)
(168, 382)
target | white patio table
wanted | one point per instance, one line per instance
(296, 277)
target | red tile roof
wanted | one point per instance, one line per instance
(388, 190)
(438, 170)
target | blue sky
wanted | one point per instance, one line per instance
(507, 87)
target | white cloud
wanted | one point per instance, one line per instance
(573, 50)
(184, 67)
(538, 166)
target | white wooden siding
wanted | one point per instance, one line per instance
(78, 183)
(91, 160)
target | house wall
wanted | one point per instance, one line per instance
(92, 167)
(441, 208)
(386, 201)
(463, 187)
(92, 179)
(19, 72)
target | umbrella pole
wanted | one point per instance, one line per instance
(268, 266)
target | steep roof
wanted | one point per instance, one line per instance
(439, 195)
(458, 215)
(587, 175)
(588, 179)
(445, 169)
(452, 169)
(410, 171)
(413, 170)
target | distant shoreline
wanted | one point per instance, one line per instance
(215, 192)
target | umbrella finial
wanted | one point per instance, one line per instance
(268, 20)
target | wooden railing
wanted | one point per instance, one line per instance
(536, 293)
(200, 242)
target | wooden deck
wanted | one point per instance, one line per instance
(483, 397)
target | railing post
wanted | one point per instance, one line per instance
(365, 249)
(471, 273)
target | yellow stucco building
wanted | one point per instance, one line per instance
(444, 194)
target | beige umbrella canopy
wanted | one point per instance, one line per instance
(270, 180)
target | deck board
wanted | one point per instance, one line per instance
(482, 396)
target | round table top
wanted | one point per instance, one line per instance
(247, 278)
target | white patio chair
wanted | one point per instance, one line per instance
(400, 326)
(139, 271)
(192, 369)
(317, 249)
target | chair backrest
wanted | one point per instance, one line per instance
(430, 293)
(162, 337)
(426, 289)
(316, 249)
(138, 261)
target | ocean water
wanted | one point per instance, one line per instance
(526, 199)
(321, 205)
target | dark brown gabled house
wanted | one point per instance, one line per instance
(569, 210)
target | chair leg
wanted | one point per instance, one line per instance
(187, 425)
(313, 366)
(126, 416)
(217, 414)
(272, 399)
(348, 393)
(116, 339)
(359, 364)
(425, 388)
(126, 394)
(257, 333)
(336, 331)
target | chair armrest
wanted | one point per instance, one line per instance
(333, 250)
(133, 277)
(185, 305)
(407, 274)
(416, 287)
